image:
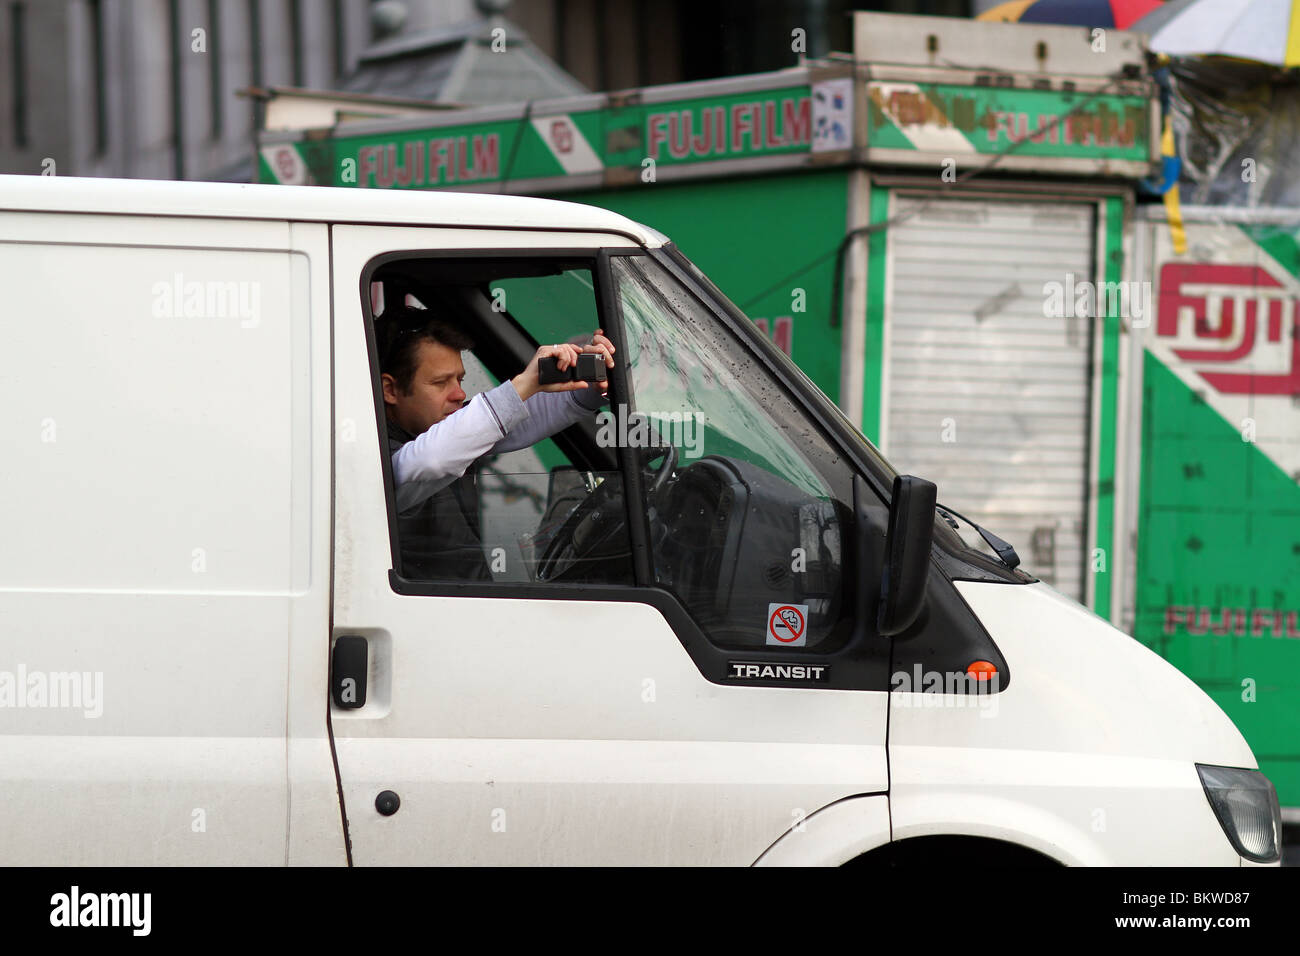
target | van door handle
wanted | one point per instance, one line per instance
(348, 671)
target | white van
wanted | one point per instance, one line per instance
(719, 628)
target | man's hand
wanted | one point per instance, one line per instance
(526, 383)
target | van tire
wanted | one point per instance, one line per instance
(946, 850)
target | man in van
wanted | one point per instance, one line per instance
(436, 435)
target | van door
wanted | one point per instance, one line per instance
(164, 568)
(593, 702)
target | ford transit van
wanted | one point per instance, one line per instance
(719, 628)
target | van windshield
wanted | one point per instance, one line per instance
(686, 369)
(876, 462)
(750, 512)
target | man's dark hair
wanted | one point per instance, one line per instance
(400, 332)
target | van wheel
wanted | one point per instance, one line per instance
(932, 851)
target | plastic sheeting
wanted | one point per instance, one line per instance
(1237, 126)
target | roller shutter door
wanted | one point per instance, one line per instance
(985, 396)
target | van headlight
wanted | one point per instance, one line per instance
(1246, 805)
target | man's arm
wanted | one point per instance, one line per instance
(436, 458)
(548, 413)
(440, 455)
(549, 409)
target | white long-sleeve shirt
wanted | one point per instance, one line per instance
(491, 422)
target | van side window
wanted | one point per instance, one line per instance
(751, 523)
(542, 504)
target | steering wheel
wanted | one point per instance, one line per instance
(656, 478)
(592, 530)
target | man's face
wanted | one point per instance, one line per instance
(435, 389)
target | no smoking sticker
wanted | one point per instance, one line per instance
(787, 625)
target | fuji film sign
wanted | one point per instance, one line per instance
(1235, 325)
(1225, 324)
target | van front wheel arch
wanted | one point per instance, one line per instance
(929, 851)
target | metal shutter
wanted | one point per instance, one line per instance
(966, 339)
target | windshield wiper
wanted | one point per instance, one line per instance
(1005, 552)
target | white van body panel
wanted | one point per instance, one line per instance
(166, 475)
(315, 838)
(833, 835)
(152, 198)
(1087, 755)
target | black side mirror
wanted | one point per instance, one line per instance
(907, 553)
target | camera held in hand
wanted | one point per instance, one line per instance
(590, 368)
